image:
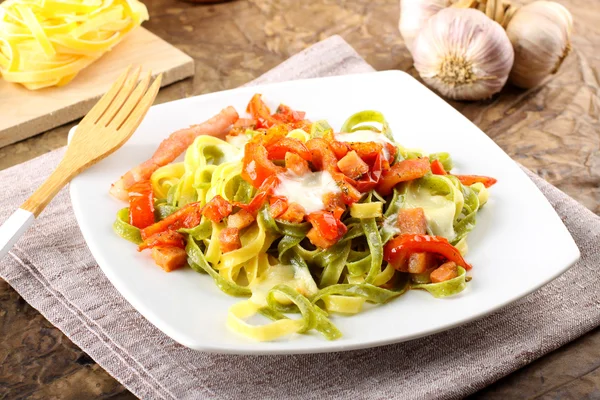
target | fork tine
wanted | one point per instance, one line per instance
(138, 113)
(131, 102)
(120, 99)
(102, 104)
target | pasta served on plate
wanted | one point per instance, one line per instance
(299, 218)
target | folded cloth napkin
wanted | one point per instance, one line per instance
(53, 270)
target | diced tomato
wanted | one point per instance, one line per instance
(412, 220)
(240, 219)
(397, 250)
(261, 113)
(327, 225)
(163, 239)
(368, 151)
(217, 209)
(444, 272)
(295, 213)
(141, 204)
(278, 206)
(256, 165)
(323, 157)
(340, 149)
(229, 240)
(261, 196)
(296, 164)
(352, 165)
(350, 194)
(437, 168)
(369, 180)
(402, 171)
(287, 115)
(318, 240)
(468, 180)
(188, 216)
(169, 258)
(279, 149)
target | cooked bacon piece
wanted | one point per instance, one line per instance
(444, 272)
(229, 240)
(413, 221)
(296, 164)
(295, 213)
(278, 206)
(172, 147)
(162, 239)
(352, 165)
(169, 258)
(240, 219)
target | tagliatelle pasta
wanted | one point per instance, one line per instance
(305, 222)
(47, 42)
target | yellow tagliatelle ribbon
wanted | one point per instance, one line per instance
(47, 42)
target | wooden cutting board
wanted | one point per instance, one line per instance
(25, 113)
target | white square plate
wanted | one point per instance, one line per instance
(518, 245)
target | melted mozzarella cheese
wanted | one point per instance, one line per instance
(307, 190)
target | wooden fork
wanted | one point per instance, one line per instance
(108, 125)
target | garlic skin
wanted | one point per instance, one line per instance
(540, 33)
(463, 54)
(414, 14)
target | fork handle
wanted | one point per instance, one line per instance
(18, 223)
(13, 228)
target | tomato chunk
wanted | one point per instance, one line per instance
(141, 204)
(368, 151)
(217, 209)
(402, 171)
(397, 250)
(188, 216)
(437, 168)
(413, 221)
(327, 226)
(169, 258)
(278, 206)
(468, 180)
(229, 240)
(256, 165)
(261, 196)
(352, 165)
(279, 149)
(163, 239)
(323, 157)
(286, 114)
(261, 113)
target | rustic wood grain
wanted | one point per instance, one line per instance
(26, 113)
(554, 130)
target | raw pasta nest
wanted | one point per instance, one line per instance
(47, 42)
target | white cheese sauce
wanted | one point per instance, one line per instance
(363, 136)
(307, 190)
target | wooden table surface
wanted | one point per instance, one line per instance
(554, 130)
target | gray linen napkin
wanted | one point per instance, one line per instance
(53, 270)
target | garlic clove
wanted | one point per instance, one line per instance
(414, 14)
(540, 33)
(463, 54)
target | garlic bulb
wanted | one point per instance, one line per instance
(540, 33)
(414, 14)
(463, 54)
